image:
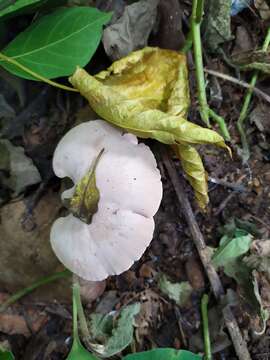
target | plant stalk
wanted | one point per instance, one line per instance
(198, 58)
(80, 311)
(221, 123)
(206, 335)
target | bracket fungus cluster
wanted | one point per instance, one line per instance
(117, 190)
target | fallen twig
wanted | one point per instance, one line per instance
(230, 321)
(242, 83)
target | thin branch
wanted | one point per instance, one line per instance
(242, 83)
(184, 204)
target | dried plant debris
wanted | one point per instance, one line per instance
(263, 8)
(17, 170)
(131, 31)
(6, 111)
(253, 60)
(232, 256)
(179, 292)
(113, 332)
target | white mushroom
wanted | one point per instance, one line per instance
(130, 192)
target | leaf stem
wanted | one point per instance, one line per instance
(79, 307)
(206, 335)
(197, 47)
(35, 285)
(34, 74)
(75, 290)
(247, 100)
(188, 43)
(221, 123)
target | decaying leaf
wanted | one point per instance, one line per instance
(147, 94)
(259, 259)
(22, 171)
(6, 111)
(113, 335)
(230, 255)
(264, 313)
(131, 31)
(263, 7)
(179, 292)
(217, 23)
(253, 60)
(84, 201)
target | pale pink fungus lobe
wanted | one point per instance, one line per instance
(130, 194)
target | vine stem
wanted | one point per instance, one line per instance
(34, 74)
(80, 312)
(247, 100)
(221, 123)
(206, 335)
(198, 58)
(45, 280)
(75, 290)
(205, 111)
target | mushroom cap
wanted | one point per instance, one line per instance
(130, 193)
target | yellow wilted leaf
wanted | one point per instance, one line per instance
(147, 94)
(84, 202)
(194, 169)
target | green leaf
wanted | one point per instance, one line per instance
(56, 44)
(10, 7)
(163, 354)
(232, 248)
(84, 202)
(179, 292)
(114, 335)
(6, 355)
